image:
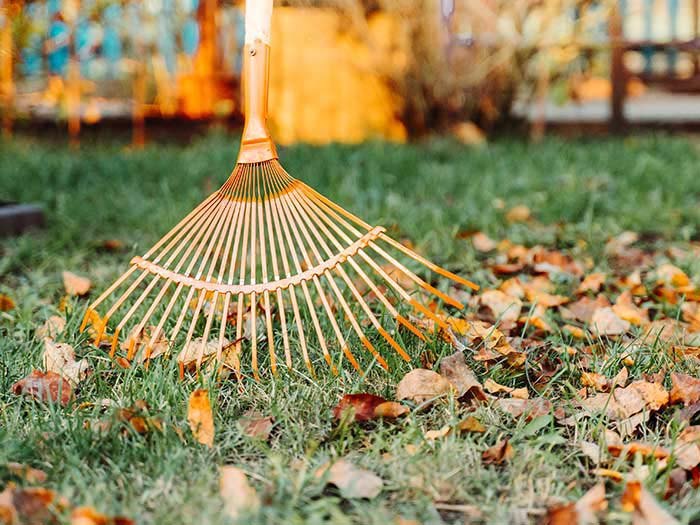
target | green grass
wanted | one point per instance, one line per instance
(581, 193)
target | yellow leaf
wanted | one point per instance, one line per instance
(238, 495)
(200, 417)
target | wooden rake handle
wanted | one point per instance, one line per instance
(256, 143)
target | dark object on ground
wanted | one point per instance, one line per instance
(17, 218)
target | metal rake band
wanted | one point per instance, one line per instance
(216, 274)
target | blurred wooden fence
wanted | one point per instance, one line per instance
(86, 60)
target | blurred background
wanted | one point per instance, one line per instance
(353, 70)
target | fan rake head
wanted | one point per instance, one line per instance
(262, 259)
(253, 265)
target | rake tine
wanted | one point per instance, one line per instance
(131, 311)
(330, 206)
(266, 294)
(403, 293)
(314, 319)
(358, 296)
(276, 277)
(207, 328)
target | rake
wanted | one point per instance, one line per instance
(260, 259)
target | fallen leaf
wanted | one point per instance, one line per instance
(499, 453)
(646, 510)
(591, 450)
(238, 495)
(362, 406)
(352, 481)
(483, 243)
(672, 276)
(390, 410)
(502, 308)
(432, 435)
(622, 403)
(45, 387)
(76, 285)
(684, 389)
(630, 450)
(582, 512)
(6, 303)
(255, 425)
(89, 516)
(138, 341)
(596, 381)
(455, 369)
(592, 283)
(494, 388)
(31, 505)
(189, 355)
(583, 309)
(605, 322)
(52, 327)
(625, 309)
(60, 358)
(519, 213)
(470, 424)
(200, 417)
(422, 385)
(27, 473)
(112, 245)
(530, 408)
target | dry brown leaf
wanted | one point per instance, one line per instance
(625, 309)
(6, 303)
(536, 317)
(422, 385)
(238, 495)
(89, 516)
(483, 243)
(60, 358)
(30, 506)
(255, 425)
(583, 309)
(630, 450)
(52, 327)
(470, 424)
(499, 453)
(352, 481)
(44, 386)
(495, 388)
(605, 322)
(531, 408)
(537, 291)
(432, 435)
(646, 510)
(673, 276)
(621, 377)
(27, 473)
(361, 405)
(112, 245)
(684, 389)
(687, 450)
(502, 308)
(200, 417)
(76, 285)
(691, 314)
(519, 213)
(625, 402)
(189, 355)
(490, 342)
(137, 342)
(596, 381)
(592, 283)
(583, 512)
(456, 370)
(574, 331)
(390, 410)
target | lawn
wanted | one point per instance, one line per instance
(580, 194)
